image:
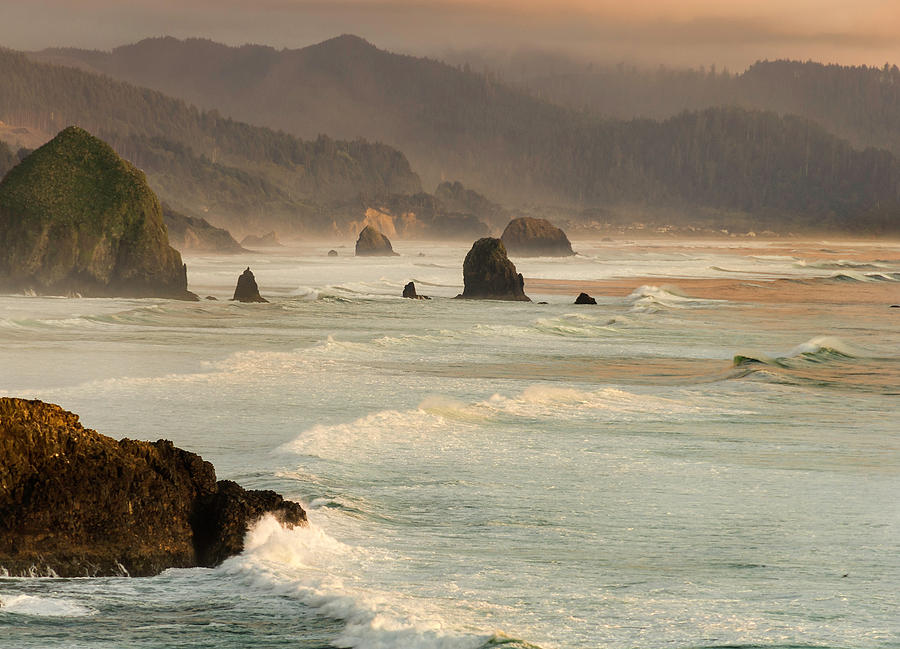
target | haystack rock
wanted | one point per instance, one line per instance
(76, 503)
(530, 237)
(410, 291)
(76, 218)
(372, 243)
(246, 289)
(488, 274)
(584, 298)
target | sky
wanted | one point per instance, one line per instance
(728, 33)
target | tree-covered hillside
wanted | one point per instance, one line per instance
(781, 172)
(200, 161)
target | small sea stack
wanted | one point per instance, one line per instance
(530, 237)
(332, 253)
(372, 243)
(75, 503)
(584, 298)
(410, 291)
(246, 289)
(488, 274)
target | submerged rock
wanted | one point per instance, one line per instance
(246, 289)
(268, 240)
(76, 218)
(530, 237)
(584, 298)
(77, 503)
(371, 242)
(488, 274)
(410, 291)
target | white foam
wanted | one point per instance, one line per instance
(308, 564)
(43, 606)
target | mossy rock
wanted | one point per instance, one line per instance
(75, 217)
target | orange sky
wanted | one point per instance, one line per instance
(677, 32)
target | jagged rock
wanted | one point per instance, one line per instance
(372, 243)
(410, 291)
(268, 240)
(246, 289)
(332, 253)
(530, 237)
(193, 234)
(76, 218)
(77, 503)
(584, 298)
(488, 274)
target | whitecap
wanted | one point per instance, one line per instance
(43, 606)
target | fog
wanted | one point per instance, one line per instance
(687, 32)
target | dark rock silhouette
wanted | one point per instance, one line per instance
(410, 291)
(77, 218)
(193, 234)
(530, 237)
(584, 298)
(371, 242)
(211, 297)
(488, 274)
(77, 503)
(246, 289)
(332, 253)
(268, 240)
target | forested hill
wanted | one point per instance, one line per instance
(858, 103)
(201, 162)
(786, 172)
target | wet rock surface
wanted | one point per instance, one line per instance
(77, 503)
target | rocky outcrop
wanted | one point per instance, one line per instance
(76, 218)
(332, 253)
(193, 234)
(584, 298)
(488, 274)
(530, 237)
(410, 291)
(268, 240)
(372, 243)
(246, 289)
(77, 503)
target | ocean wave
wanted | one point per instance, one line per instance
(43, 606)
(839, 264)
(321, 572)
(655, 298)
(855, 276)
(821, 349)
(575, 325)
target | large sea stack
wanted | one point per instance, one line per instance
(530, 237)
(488, 274)
(372, 242)
(246, 289)
(76, 218)
(77, 503)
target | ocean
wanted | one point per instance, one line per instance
(708, 457)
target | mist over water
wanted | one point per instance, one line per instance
(661, 469)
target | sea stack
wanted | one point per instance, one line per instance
(488, 274)
(410, 291)
(373, 243)
(268, 240)
(584, 298)
(76, 218)
(75, 503)
(246, 289)
(530, 237)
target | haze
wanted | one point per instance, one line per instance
(684, 32)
